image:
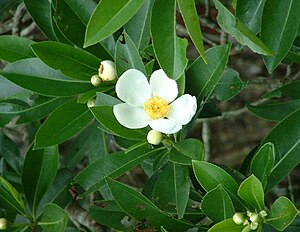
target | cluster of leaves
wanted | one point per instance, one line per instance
(51, 80)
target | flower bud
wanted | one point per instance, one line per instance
(246, 229)
(3, 223)
(107, 70)
(154, 137)
(263, 214)
(238, 218)
(91, 102)
(254, 217)
(95, 80)
(253, 225)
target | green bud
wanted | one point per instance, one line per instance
(4, 223)
(154, 137)
(253, 225)
(238, 218)
(95, 80)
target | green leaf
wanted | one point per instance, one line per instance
(170, 50)
(32, 113)
(230, 85)
(287, 149)
(251, 191)
(201, 78)
(106, 118)
(34, 75)
(282, 213)
(262, 163)
(108, 213)
(6, 6)
(71, 61)
(10, 199)
(142, 209)
(40, 11)
(274, 111)
(279, 28)
(13, 48)
(141, 20)
(92, 177)
(106, 100)
(108, 18)
(211, 176)
(219, 199)
(54, 219)
(250, 13)
(63, 123)
(290, 90)
(36, 181)
(233, 26)
(191, 20)
(186, 151)
(227, 225)
(176, 195)
(127, 56)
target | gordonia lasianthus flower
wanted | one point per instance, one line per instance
(152, 103)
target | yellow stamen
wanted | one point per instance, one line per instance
(156, 107)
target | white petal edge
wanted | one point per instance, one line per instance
(163, 86)
(166, 126)
(133, 87)
(131, 117)
(183, 109)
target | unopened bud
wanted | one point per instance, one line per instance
(238, 218)
(107, 70)
(263, 214)
(91, 102)
(254, 217)
(95, 80)
(246, 229)
(154, 137)
(3, 223)
(253, 225)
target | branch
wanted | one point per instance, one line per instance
(20, 12)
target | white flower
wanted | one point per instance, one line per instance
(152, 103)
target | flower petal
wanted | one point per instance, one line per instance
(183, 109)
(133, 87)
(167, 126)
(163, 86)
(131, 117)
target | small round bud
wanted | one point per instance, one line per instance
(253, 225)
(3, 223)
(238, 218)
(263, 214)
(91, 102)
(254, 217)
(154, 137)
(107, 70)
(95, 80)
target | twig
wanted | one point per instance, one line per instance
(20, 12)
(207, 8)
(206, 135)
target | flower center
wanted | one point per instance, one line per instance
(156, 107)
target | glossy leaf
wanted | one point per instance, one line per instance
(219, 199)
(106, 118)
(13, 48)
(227, 225)
(287, 149)
(250, 13)
(92, 177)
(191, 20)
(31, 114)
(274, 111)
(107, 18)
(170, 50)
(34, 75)
(127, 56)
(36, 181)
(71, 61)
(290, 90)
(251, 191)
(262, 163)
(239, 31)
(211, 176)
(140, 20)
(63, 123)
(10, 199)
(279, 28)
(40, 11)
(186, 151)
(103, 99)
(108, 213)
(141, 208)
(229, 86)
(54, 218)
(282, 213)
